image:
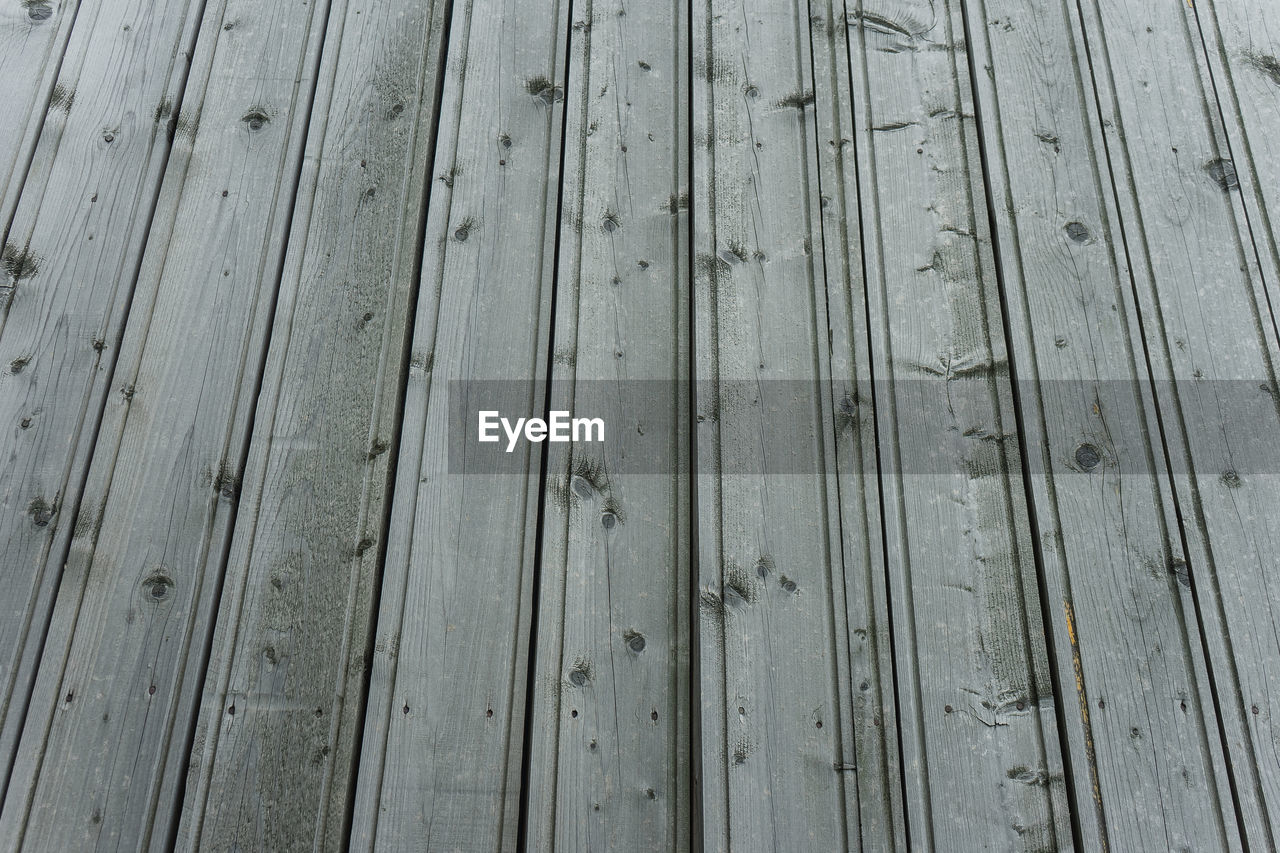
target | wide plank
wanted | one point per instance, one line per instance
(70, 262)
(610, 732)
(282, 710)
(33, 42)
(103, 756)
(1200, 284)
(1136, 695)
(980, 752)
(440, 764)
(776, 726)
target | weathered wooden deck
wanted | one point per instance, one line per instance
(940, 502)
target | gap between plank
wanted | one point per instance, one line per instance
(70, 507)
(1032, 515)
(415, 264)
(1164, 442)
(526, 769)
(694, 636)
(875, 426)
(21, 183)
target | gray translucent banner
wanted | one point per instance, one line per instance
(966, 425)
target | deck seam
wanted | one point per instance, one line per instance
(855, 20)
(1032, 509)
(540, 519)
(394, 661)
(1161, 335)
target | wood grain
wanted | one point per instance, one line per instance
(69, 265)
(1136, 693)
(102, 760)
(871, 756)
(1241, 43)
(1200, 284)
(33, 43)
(979, 742)
(282, 710)
(610, 734)
(775, 716)
(441, 759)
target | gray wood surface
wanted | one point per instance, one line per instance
(609, 754)
(980, 752)
(441, 760)
(282, 709)
(775, 715)
(69, 266)
(33, 42)
(871, 757)
(609, 751)
(963, 538)
(1242, 54)
(106, 744)
(1242, 44)
(1136, 693)
(1213, 350)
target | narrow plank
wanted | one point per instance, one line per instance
(1142, 728)
(73, 252)
(104, 754)
(776, 721)
(282, 709)
(872, 759)
(610, 735)
(441, 761)
(979, 741)
(33, 39)
(1242, 54)
(1200, 287)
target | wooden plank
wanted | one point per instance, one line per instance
(441, 761)
(776, 719)
(103, 758)
(73, 252)
(611, 705)
(1242, 45)
(282, 710)
(872, 759)
(1200, 287)
(1242, 55)
(1141, 724)
(33, 39)
(980, 751)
